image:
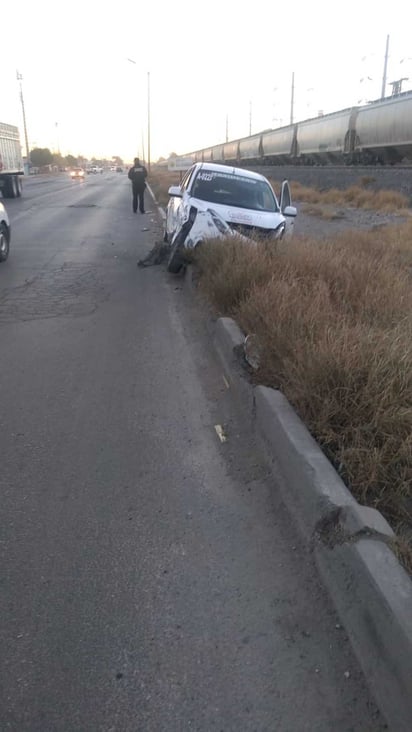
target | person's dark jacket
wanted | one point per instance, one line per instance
(138, 174)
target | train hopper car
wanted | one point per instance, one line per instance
(231, 152)
(217, 151)
(279, 146)
(250, 148)
(325, 139)
(384, 130)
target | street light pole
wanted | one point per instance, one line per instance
(148, 116)
(57, 137)
(148, 121)
(19, 79)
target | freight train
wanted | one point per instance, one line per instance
(377, 133)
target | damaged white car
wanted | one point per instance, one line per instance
(219, 201)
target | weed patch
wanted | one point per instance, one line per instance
(334, 325)
(354, 196)
(160, 182)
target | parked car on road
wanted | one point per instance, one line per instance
(4, 233)
(218, 201)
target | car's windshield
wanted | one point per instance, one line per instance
(234, 190)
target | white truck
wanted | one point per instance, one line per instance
(11, 161)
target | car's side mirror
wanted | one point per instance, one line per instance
(175, 191)
(290, 211)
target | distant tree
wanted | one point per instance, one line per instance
(71, 160)
(40, 156)
(173, 155)
(117, 160)
(58, 160)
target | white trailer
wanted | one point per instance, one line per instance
(11, 161)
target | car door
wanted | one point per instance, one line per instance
(178, 197)
(287, 209)
(175, 193)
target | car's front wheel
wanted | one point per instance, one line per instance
(177, 253)
(176, 259)
(4, 242)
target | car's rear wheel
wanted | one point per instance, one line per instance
(4, 242)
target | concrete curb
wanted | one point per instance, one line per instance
(368, 586)
(160, 209)
(228, 341)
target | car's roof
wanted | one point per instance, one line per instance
(215, 167)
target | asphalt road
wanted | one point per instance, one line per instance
(151, 579)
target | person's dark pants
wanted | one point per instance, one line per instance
(138, 195)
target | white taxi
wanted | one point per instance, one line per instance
(219, 200)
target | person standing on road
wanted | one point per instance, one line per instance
(138, 174)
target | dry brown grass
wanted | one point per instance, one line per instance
(366, 180)
(160, 181)
(334, 324)
(355, 196)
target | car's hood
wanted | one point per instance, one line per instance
(245, 216)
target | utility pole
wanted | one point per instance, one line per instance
(20, 79)
(250, 118)
(292, 98)
(385, 68)
(148, 121)
(227, 128)
(132, 61)
(57, 137)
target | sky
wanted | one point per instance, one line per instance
(200, 68)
